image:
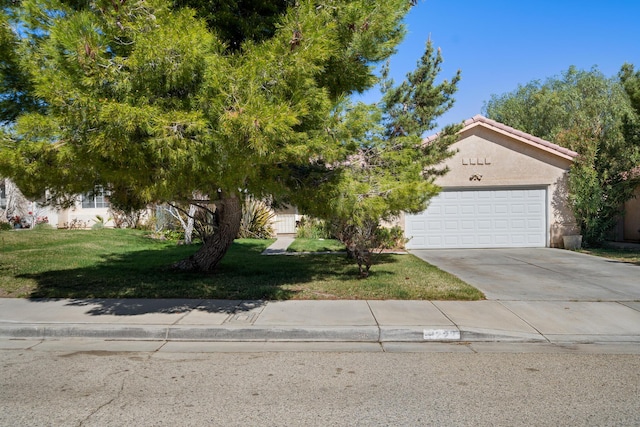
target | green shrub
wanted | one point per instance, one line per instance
(171, 235)
(129, 218)
(5, 226)
(257, 220)
(390, 238)
(99, 223)
(365, 240)
(313, 228)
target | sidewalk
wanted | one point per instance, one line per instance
(322, 321)
(279, 247)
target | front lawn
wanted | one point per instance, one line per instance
(127, 264)
(315, 245)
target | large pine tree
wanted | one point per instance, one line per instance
(156, 101)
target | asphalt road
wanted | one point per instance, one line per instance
(94, 388)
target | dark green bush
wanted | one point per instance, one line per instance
(313, 228)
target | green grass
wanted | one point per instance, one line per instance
(126, 264)
(315, 245)
(626, 255)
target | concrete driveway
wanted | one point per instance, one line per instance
(539, 274)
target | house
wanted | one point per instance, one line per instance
(86, 210)
(83, 213)
(505, 188)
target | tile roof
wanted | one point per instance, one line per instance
(480, 120)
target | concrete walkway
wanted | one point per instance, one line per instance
(322, 321)
(279, 247)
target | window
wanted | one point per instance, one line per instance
(96, 199)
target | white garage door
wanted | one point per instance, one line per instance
(480, 219)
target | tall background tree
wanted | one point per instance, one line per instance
(585, 112)
(631, 82)
(154, 101)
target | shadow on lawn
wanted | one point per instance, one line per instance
(120, 283)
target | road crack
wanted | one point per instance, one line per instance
(104, 405)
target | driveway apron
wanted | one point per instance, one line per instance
(539, 274)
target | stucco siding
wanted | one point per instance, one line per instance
(495, 160)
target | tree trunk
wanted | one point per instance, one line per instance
(188, 226)
(229, 212)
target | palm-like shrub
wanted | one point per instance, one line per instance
(257, 220)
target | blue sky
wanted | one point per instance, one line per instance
(499, 44)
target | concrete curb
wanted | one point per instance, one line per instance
(364, 334)
(55, 331)
(340, 321)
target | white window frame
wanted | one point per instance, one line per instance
(98, 199)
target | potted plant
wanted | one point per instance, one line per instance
(572, 241)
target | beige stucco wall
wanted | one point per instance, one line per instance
(632, 217)
(80, 217)
(490, 159)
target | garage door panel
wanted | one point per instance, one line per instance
(502, 209)
(435, 240)
(416, 225)
(434, 225)
(534, 209)
(467, 225)
(451, 225)
(484, 239)
(501, 224)
(484, 208)
(436, 209)
(501, 239)
(518, 239)
(468, 209)
(481, 218)
(451, 209)
(534, 223)
(496, 196)
(518, 224)
(468, 240)
(483, 225)
(451, 240)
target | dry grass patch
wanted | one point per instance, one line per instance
(626, 255)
